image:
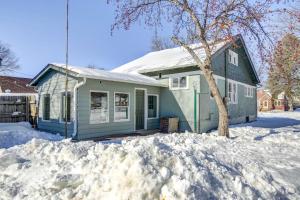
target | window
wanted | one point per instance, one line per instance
(63, 110)
(179, 82)
(121, 107)
(265, 104)
(46, 107)
(275, 103)
(152, 106)
(99, 107)
(249, 91)
(233, 58)
(232, 92)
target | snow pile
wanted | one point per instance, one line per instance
(166, 59)
(12, 134)
(258, 162)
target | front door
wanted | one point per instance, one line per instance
(139, 109)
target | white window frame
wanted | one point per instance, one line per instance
(43, 107)
(178, 88)
(233, 56)
(157, 106)
(107, 117)
(249, 91)
(122, 120)
(61, 106)
(230, 95)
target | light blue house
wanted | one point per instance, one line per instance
(136, 95)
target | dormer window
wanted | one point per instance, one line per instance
(233, 58)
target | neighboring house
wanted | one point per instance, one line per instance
(17, 100)
(266, 102)
(136, 95)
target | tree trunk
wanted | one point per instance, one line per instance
(290, 104)
(222, 105)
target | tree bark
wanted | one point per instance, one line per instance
(290, 104)
(222, 105)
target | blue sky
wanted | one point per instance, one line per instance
(34, 29)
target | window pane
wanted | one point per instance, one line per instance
(152, 106)
(183, 82)
(121, 113)
(121, 99)
(230, 87)
(175, 83)
(46, 109)
(99, 107)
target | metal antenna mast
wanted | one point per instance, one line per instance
(66, 80)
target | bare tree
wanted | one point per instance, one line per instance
(284, 74)
(8, 61)
(159, 43)
(207, 22)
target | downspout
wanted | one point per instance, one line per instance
(75, 107)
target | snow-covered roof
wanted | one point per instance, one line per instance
(166, 59)
(94, 73)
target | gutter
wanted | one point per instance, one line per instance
(78, 85)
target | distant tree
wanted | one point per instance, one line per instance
(207, 22)
(159, 43)
(8, 61)
(284, 73)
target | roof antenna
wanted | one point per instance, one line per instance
(65, 110)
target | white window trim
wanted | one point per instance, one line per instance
(46, 120)
(107, 117)
(236, 94)
(233, 55)
(251, 91)
(60, 116)
(157, 107)
(178, 88)
(122, 120)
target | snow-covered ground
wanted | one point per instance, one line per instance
(20, 133)
(262, 159)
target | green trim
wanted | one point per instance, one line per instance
(195, 111)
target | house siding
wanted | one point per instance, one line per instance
(53, 83)
(241, 73)
(180, 103)
(87, 130)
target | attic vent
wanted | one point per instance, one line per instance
(7, 91)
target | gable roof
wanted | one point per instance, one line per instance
(176, 58)
(92, 73)
(15, 85)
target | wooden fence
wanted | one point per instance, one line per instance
(17, 109)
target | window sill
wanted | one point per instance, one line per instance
(179, 88)
(122, 120)
(98, 123)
